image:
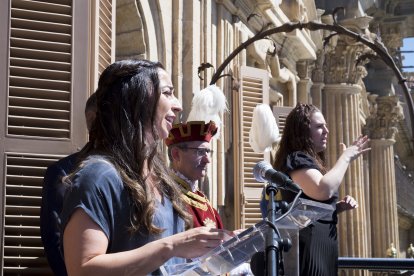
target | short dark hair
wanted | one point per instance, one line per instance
(90, 105)
(179, 146)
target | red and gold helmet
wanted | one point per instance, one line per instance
(191, 131)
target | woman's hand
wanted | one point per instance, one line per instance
(198, 241)
(358, 147)
(347, 203)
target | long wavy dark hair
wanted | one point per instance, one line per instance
(127, 99)
(297, 137)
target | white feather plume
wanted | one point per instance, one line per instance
(264, 131)
(208, 105)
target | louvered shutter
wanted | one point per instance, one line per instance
(23, 249)
(40, 69)
(104, 37)
(51, 71)
(39, 119)
(254, 90)
(281, 113)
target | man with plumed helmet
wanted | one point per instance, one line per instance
(189, 152)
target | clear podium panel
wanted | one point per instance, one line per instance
(240, 249)
(229, 255)
(304, 213)
(237, 250)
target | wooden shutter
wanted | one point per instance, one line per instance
(40, 113)
(40, 65)
(23, 249)
(103, 44)
(281, 113)
(254, 90)
(47, 71)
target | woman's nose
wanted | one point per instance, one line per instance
(176, 105)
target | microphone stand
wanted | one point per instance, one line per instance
(271, 241)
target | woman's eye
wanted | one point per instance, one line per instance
(167, 92)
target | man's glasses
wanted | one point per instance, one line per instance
(201, 152)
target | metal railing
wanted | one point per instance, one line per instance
(377, 264)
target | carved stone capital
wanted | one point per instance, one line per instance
(385, 113)
(341, 64)
(392, 35)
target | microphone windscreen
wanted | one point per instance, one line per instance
(257, 264)
(260, 169)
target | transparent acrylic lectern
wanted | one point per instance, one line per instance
(240, 249)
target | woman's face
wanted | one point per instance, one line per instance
(168, 105)
(319, 131)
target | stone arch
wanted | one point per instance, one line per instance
(130, 42)
(139, 32)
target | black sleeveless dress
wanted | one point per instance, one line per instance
(318, 246)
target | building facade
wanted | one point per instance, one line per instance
(56, 49)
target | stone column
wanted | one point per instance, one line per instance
(305, 81)
(381, 128)
(341, 106)
(318, 80)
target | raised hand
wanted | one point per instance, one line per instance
(347, 203)
(358, 147)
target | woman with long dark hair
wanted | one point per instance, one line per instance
(301, 156)
(123, 214)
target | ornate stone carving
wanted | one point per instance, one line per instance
(317, 73)
(341, 64)
(275, 97)
(392, 35)
(295, 10)
(392, 251)
(410, 251)
(385, 112)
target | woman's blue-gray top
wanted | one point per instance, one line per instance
(97, 189)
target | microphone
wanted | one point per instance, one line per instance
(257, 264)
(263, 172)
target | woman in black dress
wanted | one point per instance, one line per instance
(301, 156)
